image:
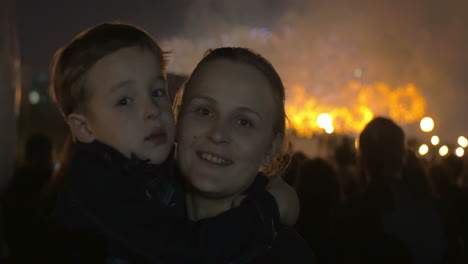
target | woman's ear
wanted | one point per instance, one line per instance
(80, 128)
(273, 149)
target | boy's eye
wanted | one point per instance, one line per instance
(124, 101)
(244, 123)
(159, 93)
(204, 112)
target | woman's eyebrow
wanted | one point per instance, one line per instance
(203, 97)
(243, 109)
(248, 110)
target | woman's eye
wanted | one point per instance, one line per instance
(244, 123)
(124, 101)
(159, 93)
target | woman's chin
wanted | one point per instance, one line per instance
(205, 186)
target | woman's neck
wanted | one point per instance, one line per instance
(200, 207)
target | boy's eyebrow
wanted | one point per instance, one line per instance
(126, 83)
(240, 108)
(120, 85)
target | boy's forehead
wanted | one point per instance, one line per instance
(125, 67)
(129, 83)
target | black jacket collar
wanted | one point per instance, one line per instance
(134, 166)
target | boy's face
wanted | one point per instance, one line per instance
(129, 109)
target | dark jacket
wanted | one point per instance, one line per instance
(113, 209)
(287, 246)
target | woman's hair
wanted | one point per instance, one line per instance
(281, 159)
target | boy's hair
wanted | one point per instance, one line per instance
(282, 157)
(71, 63)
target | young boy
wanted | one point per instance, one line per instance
(121, 200)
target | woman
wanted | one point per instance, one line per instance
(231, 134)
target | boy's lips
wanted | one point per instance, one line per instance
(157, 136)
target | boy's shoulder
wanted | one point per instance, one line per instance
(96, 165)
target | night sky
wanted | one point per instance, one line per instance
(398, 42)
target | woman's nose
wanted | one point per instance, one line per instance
(219, 132)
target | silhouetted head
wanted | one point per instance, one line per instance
(382, 147)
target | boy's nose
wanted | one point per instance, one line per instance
(152, 110)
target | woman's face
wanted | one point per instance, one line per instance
(225, 129)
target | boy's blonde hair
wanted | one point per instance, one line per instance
(72, 62)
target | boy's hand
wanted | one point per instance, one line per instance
(287, 200)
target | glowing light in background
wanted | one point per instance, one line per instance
(423, 149)
(435, 140)
(34, 97)
(427, 124)
(459, 152)
(329, 129)
(463, 142)
(443, 150)
(357, 73)
(356, 107)
(324, 120)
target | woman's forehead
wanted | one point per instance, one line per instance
(231, 81)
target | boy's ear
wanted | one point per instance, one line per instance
(80, 128)
(274, 147)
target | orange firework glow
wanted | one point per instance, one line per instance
(404, 105)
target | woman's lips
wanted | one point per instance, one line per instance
(214, 158)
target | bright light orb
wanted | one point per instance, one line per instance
(427, 124)
(423, 149)
(443, 150)
(324, 121)
(463, 142)
(459, 152)
(435, 140)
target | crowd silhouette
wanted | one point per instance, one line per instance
(380, 203)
